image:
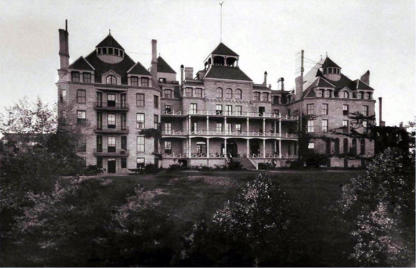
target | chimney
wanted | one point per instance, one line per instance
(181, 74)
(153, 69)
(366, 77)
(282, 83)
(189, 73)
(299, 80)
(265, 78)
(63, 47)
(380, 112)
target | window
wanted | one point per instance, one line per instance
(228, 93)
(324, 125)
(99, 120)
(229, 128)
(139, 120)
(229, 109)
(156, 102)
(336, 146)
(310, 126)
(99, 143)
(81, 117)
(218, 109)
(310, 108)
(62, 95)
(256, 96)
(354, 146)
(140, 100)
(324, 108)
(168, 128)
(365, 124)
(111, 144)
(345, 109)
(123, 162)
(327, 93)
(311, 145)
(238, 110)
(345, 146)
(218, 128)
(81, 96)
(110, 51)
(369, 96)
(99, 99)
(140, 162)
(362, 146)
(276, 111)
(345, 125)
(361, 95)
(328, 146)
(168, 147)
(320, 93)
(168, 109)
(162, 80)
(193, 108)
(167, 93)
(86, 77)
(123, 100)
(238, 128)
(346, 95)
(111, 80)
(104, 50)
(140, 144)
(365, 110)
(111, 120)
(99, 162)
(198, 92)
(194, 128)
(75, 77)
(354, 95)
(111, 100)
(188, 92)
(219, 93)
(265, 96)
(156, 121)
(124, 142)
(276, 99)
(99, 51)
(238, 94)
(144, 82)
(134, 81)
(201, 147)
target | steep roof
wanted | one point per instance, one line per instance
(329, 63)
(222, 49)
(109, 41)
(138, 68)
(321, 82)
(81, 64)
(358, 84)
(163, 66)
(224, 72)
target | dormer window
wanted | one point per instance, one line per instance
(134, 81)
(346, 95)
(145, 82)
(86, 77)
(99, 51)
(111, 80)
(75, 77)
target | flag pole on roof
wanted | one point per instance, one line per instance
(221, 2)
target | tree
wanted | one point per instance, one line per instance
(380, 206)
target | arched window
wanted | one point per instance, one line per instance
(238, 94)
(336, 146)
(345, 147)
(346, 95)
(228, 93)
(111, 80)
(219, 93)
(354, 146)
(362, 146)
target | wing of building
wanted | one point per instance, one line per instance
(205, 118)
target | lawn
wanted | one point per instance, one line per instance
(190, 195)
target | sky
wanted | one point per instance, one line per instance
(375, 35)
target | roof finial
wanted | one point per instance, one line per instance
(326, 53)
(109, 31)
(221, 2)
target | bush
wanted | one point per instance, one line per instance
(151, 169)
(233, 165)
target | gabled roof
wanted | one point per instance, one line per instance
(222, 49)
(163, 66)
(358, 84)
(138, 68)
(321, 82)
(224, 72)
(109, 41)
(329, 63)
(81, 64)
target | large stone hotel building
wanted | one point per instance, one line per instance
(206, 118)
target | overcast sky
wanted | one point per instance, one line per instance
(268, 35)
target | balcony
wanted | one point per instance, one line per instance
(174, 133)
(107, 130)
(220, 113)
(231, 134)
(116, 153)
(111, 106)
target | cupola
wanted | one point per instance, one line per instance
(109, 50)
(331, 70)
(222, 56)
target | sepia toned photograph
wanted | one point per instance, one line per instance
(207, 133)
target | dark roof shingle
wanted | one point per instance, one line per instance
(163, 66)
(224, 72)
(222, 49)
(109, 41)
(81, 64)
(329, 63)
(138, 68)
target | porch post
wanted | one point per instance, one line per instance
(248, 126)
(264, 148)
(189, 124)
(225, 125)
(225, 147)
(248, 148)
(275, 127)
(280, 126)
(280, 148)
(207, 131)
(207, 147)
(189, 147)
(264, 126)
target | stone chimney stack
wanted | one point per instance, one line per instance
(299, 80)
(63, 47)
(282, 83)
(182, 74)
(189, 72)
(265, 78)
(153, 69)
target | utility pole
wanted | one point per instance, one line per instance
(221, 2)
(301, 105)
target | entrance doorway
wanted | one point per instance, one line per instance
(261, 110)
(232, 149)
(255, 147)
(111, 164)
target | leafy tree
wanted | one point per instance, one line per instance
(380, 205)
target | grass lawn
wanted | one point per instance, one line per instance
(189, 195)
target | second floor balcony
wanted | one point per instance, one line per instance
(222, 113)
(111, 106)
(109, 129)
(230, 134)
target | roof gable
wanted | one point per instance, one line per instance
(224, 72)
(222, 49)
(109, 41)
(323, 83)
(81, 64)
(138, 68)
(329, 63)
(358, 84)
(163, 66)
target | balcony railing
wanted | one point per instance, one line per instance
(230, 133)
(117, 106)
(234, 114)
(106, 130)
(220, 155)
(174, 133)
(116, 153)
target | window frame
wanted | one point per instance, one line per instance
(140, 124)
(111, 79)
(138, 100)
(81, 96)
(75, 77)
(140, 144)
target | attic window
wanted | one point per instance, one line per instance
(116, 51)
(145, 82)
(134, 81)
(111, 80)
(104, 50)
(346, 95)
(99, 51)
(110, 51)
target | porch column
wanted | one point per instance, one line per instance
(248, 148)
(280, 148)
(248, 126)
(280, 126)
(275, 127)
(189, 124)
(225, 147)
(225, 125)
(189, 147)
(264, 148)
(264, 126)
(207, 147)
(207, 125)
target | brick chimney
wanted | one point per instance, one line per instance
(182, 74)
(153, 69)
(189, 72)
(63, 47)
(265, 78)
